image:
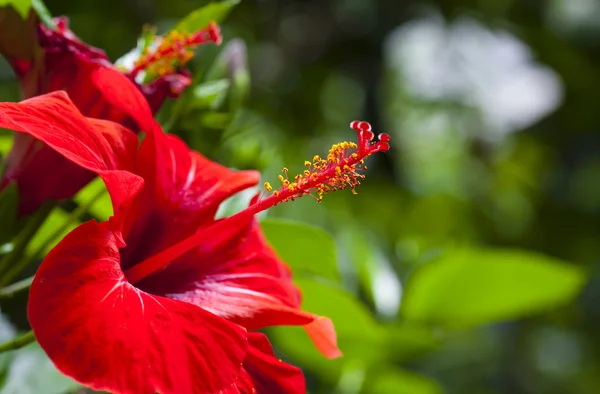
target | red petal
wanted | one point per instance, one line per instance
(170, 85)
(53, 119)
(322, 333)
(188, 183)
(245, 282)
(124, 95)
(103, 147)
(108, 335)
(265, 374)
(183, 191)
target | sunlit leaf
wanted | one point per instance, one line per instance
(21, 6)
(201, 17)
(95, 196)
(6, 142)
(306, 249)
(469, 287)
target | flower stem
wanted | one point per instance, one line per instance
(18, 342)
(22, 239)
(16, 288)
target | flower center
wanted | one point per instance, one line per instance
(340, 170)
(175, 49)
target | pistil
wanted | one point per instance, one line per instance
(341, 169)
(174, 50)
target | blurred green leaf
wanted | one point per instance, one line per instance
(237, 203)
(401, 382)
(101, 207)
(201, 17)
(28, 370)
(306, 249)
(43, 13)
(469, 287)
(359, 335)
(9, 201)
(31, 372)
(6, 142)
(376, 276)
(407, 341)
(55, 221)
(214, 120)
(21, 6)
(210, 94)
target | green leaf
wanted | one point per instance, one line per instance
(377, 278)
(359, 335)
(101, 206)
(201, 17)
(43, 13)
(6, 142)
(306, 249)
(210, 94)
(407, 341)
(51, 225)
(9, 201)
(21, 6)
(401, 382)
(470, 287)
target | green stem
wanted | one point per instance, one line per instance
(26, 261)
(22, 239)
(18, 342)
(15, 288)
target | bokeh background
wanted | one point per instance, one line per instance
(469, 262)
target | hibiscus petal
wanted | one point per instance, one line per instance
(108, 335)
(189, 184)
(183, 190)
(103, 147)
(244, 281)
(124, 95)
(263, 373)
(170, 85)
(322, 333)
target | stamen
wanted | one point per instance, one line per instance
(340, 170)
(174, 50)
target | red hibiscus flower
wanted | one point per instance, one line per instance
(153, 300)
(98, 90)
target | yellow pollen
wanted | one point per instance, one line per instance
(268, 186)
(341, 169)
(173, 50)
